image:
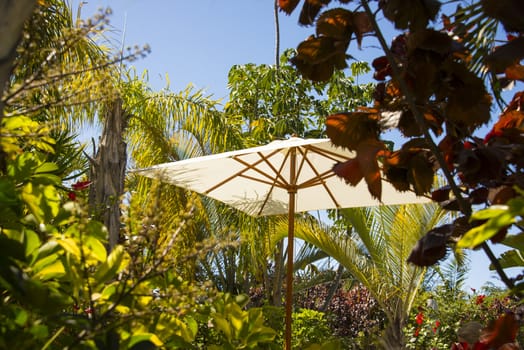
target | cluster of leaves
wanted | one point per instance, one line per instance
(274, 101)
(310, 326)
(61, 289)
(352, 312)
(427, 88)
(441, 313)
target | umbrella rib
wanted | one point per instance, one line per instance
(320, 178)
(271, 180)
(242, 171)
(337, 157)
(279, 175)
(271, 183)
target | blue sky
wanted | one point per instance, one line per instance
(197, 41)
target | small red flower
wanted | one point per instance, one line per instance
(417, 332)
(88, 310)
(437, 324)
(480, 299)
(71, 196)
(419, 319)
(81, 185)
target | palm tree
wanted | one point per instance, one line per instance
(373, 247)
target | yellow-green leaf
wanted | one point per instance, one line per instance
(70, 246)
(56, 269)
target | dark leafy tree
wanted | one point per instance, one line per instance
(437, 82)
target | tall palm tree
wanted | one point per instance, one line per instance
(165, 126)
(373, 247)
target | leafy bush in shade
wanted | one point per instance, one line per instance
(352, 313)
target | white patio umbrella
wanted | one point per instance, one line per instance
(282, 177)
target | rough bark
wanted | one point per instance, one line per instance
(108, 172)
(278, 280)
(13, 14)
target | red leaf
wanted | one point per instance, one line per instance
(336, 23)
(350, 129)
(310, 10)
(317, 57)
(431, 247)
(288, 6)
(509, 12)
(361, 25)
(367, 158)
(349, 171)
(502, 331)
(515, 72)
(506, 55)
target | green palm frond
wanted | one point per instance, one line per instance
(167, 126)
(374, 247)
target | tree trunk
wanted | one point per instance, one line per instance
(278, 278)
(13, 14)
(333, 288)
(108, 172)
(393, 335)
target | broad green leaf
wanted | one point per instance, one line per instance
(43, 201)
(56, 269)
(21, 317)
(222, 325)
(46, 179)
(12, 123)
(192, 326)
(49, 247)
(108, 292)
(23, 167)
(97, 229)
(499, 218)
(31, 242)
(511, 258)
(489, 213)
(96, 249)
(140, 337)
(39, 331)
(70, 246)
(116, 261)
(237, 323)
(515, 241)
(8, 194)
(46, 168)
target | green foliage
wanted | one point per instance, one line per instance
(238, 328)
(440, 313)
(276, 102)
(500, 220)
(310, 327)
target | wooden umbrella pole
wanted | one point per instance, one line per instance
(292, 190)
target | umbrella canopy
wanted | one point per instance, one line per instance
(257, 180)
(282, 177)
